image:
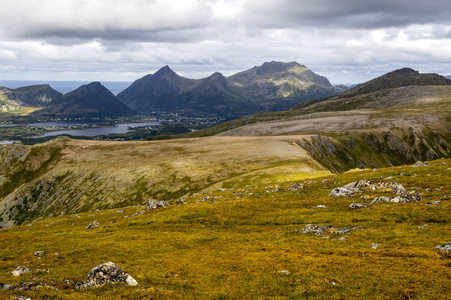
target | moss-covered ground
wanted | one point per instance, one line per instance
(246, 243)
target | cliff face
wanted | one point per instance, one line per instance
(378, 148)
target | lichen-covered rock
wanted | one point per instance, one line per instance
(358, 206)
(445, 247)
(154, 204)
(21, 270)
(106, 273)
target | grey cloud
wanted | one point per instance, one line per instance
(345, 13)
(105, 19)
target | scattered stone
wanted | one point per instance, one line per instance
(375, 170)
(445, 247)
(21, 270)
(106, 273)
(93, 224)
(28, 286)
(119, 211)
(321, 229)
(317, 229)
(389, 178)
(358, 206)
(375, 245)
(319, 206)
(424, 226)
(4, 286)
(295, 187)
(325, 180)
(22, 298)
(434, 203)
(180, 201)
(68, 281)
(407, 197)
(342, 239)
(345, 230)
(420, 164)
(285, 272)
(154, 204)
(39, 253)
(56, 254)
(445, 197)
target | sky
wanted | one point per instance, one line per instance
(348, 41)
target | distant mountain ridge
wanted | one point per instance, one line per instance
(91, 100)
(29, 96)
(396, 88)
(271, 86)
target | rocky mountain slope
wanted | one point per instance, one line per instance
(28, 96)
(91, 100)
(272, 86)
(400, 88)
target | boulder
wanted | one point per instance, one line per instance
(154, 204)
(106, 273)
(21, 270)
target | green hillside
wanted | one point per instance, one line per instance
(247, 243)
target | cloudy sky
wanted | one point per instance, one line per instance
(348, 41)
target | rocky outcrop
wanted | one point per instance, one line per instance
(106, 273)
(344, 191)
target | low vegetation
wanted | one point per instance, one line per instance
(246, 243)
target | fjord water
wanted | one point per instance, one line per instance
(66, 86)
(117, 129)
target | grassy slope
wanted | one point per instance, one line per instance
(235, 248)
(69, 176)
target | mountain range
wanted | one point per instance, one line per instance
(271, 86)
